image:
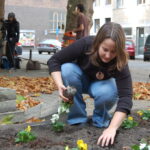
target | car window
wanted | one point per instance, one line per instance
(148, 40)
(128, 43)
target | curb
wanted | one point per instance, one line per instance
(45, 108)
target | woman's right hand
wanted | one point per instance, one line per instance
(61, 89)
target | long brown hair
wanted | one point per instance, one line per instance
(116, 33)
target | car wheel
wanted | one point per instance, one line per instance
(132, 57)
(40, 52)
(145, 59)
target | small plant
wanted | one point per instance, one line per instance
(145, 114)
(80, 146)
(63, 108)
(144, 145)
(57, 125)
(129, 123)
(25, 135)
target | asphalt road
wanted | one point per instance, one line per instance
(140, 70)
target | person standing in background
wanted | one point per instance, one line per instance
(12, 37)
(2, 36)
(82, 22)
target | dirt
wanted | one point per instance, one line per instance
(50, 140)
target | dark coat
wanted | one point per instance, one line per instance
(12, 29)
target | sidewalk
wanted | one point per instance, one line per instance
(52, 100)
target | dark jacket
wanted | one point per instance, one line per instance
(78, 52)
(2, 30)
(12, 29)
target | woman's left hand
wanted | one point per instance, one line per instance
(107, 137)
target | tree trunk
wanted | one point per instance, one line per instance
(71, 18)
(2, 4)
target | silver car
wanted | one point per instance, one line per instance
(49, 46)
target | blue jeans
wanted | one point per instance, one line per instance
(104, 93)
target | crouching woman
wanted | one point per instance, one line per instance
(97, 66)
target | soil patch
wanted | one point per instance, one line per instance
(49, 140)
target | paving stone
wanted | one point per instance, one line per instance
(7, 94)
(7, 106)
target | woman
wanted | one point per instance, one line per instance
(12, 37)
(97, 66)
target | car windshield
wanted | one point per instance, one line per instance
(52, 41)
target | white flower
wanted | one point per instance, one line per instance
(67, 110)
(148, 147)
(54, 118)
(62, 109)
(142, 145)
(59, 110)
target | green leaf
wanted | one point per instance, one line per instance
(17, 140)
(135, 147)
(24, 136)
(19, 98)
(58, 126)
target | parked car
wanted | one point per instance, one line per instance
(130, 48)
(49, 46)
(147, 49)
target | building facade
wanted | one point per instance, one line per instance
(133, 15)
(39, 19)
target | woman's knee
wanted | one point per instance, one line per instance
(104, 93)
(67, 69)
(71, 71)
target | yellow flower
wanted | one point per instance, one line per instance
(82, 145)
(140, 113)
(130, 118)
(28, 129)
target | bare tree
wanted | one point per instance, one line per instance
(2, 4)
(71, 18)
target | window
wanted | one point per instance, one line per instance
(96, 25)
(107, 20)
(108, 2)
(55, 21)
(128, 31)
(119, 3)
(140, 2)
(97, 3)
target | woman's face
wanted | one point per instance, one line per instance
(107, 50)
(10, 18)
